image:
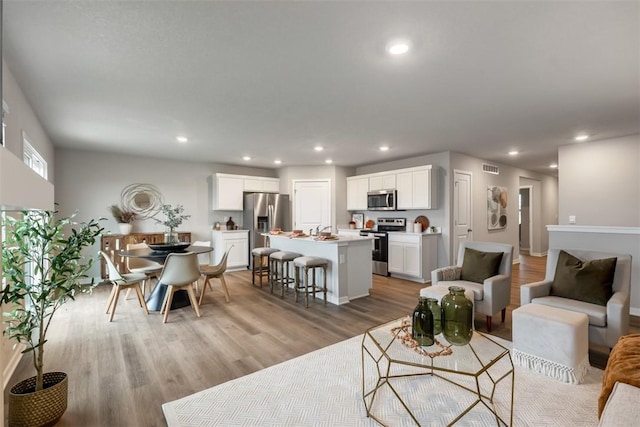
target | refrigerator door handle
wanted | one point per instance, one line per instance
(270, 217)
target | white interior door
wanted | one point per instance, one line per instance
(311, 204)
(462, 214)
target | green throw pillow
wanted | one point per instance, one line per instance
(588, 281)
(478, 265)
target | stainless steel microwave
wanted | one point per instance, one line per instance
(382, 200)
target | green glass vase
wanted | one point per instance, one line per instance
(422, 325)
(436, 311)
(457, 316)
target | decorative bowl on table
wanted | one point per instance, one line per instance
(169, 247)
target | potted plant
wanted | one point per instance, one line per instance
(173, 221)
(124, 219)
(43, 264)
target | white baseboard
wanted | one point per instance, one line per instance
(538, 254)
(634, 311)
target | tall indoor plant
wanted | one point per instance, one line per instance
(44, 267)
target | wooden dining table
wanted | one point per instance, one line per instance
(155, 298)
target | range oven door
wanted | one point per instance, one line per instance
(379, 252)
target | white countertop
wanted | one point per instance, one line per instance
(338, 239)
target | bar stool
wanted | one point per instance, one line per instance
(260, 258)
(282, 277)
(305, 263)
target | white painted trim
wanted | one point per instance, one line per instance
(538, 254)
(634, 311)
(593, 229)
(13, 364)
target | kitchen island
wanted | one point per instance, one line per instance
(349, 270)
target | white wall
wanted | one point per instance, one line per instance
(600, 182)
(90, 182)
(21, 117)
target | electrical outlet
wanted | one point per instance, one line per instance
(572, 219)
(342, 259)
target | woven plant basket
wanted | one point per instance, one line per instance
(38, 408)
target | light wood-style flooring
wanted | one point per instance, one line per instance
(120, 373)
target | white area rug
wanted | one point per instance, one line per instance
(324, 388)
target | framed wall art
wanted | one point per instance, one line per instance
(496, 208)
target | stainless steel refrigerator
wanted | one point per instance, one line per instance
(263, 212)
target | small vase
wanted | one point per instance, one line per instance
(436, 311)
(171, 237)
(422, 325)
(457, 316)
(125, 228)
(230, 224)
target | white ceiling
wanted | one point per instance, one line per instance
(273, 79)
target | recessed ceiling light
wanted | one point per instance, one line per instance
(581, 137)
(182, 139)
(328, 161)
(246, 158)
(384, 148)
(318, 148)
(553, 166)
(513, 152)
(277, 162)
(398, 48)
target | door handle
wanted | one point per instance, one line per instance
(469, 230)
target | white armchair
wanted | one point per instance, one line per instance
(491, 296)
(606, 323)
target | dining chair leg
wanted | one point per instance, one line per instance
(115, 302)
(204, 288)
(113, 291)
(167, 304)
(192, 298)
(165, 299)
(143, 303)
(224, 288)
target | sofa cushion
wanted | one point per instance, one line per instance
(477, 289)
(622, 366)
(621, 408)
(478, 266)
(588, 281)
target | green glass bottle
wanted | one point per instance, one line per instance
(422, 325)
(457, 316)
(436, 311)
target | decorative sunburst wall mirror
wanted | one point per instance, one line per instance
(143, 199)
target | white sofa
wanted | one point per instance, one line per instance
(606, 323)
(494, 294)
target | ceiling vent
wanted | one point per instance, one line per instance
(490, 169)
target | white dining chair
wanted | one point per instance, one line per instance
(180, 271)
(147, 267)
(215, 272)
(120, 282)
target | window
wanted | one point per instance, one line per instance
(32, 158)
(5, 111)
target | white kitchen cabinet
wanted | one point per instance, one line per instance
(417, 188)
(382, 182)
(228, 189)
(238, 241)
(262, 185)
(413, 256)
(227, 192)
(271, 185)
(357, 188)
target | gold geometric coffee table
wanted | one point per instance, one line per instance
(398, 381)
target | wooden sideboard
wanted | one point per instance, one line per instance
(114, 243)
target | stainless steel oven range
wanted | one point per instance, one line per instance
(380, 243)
